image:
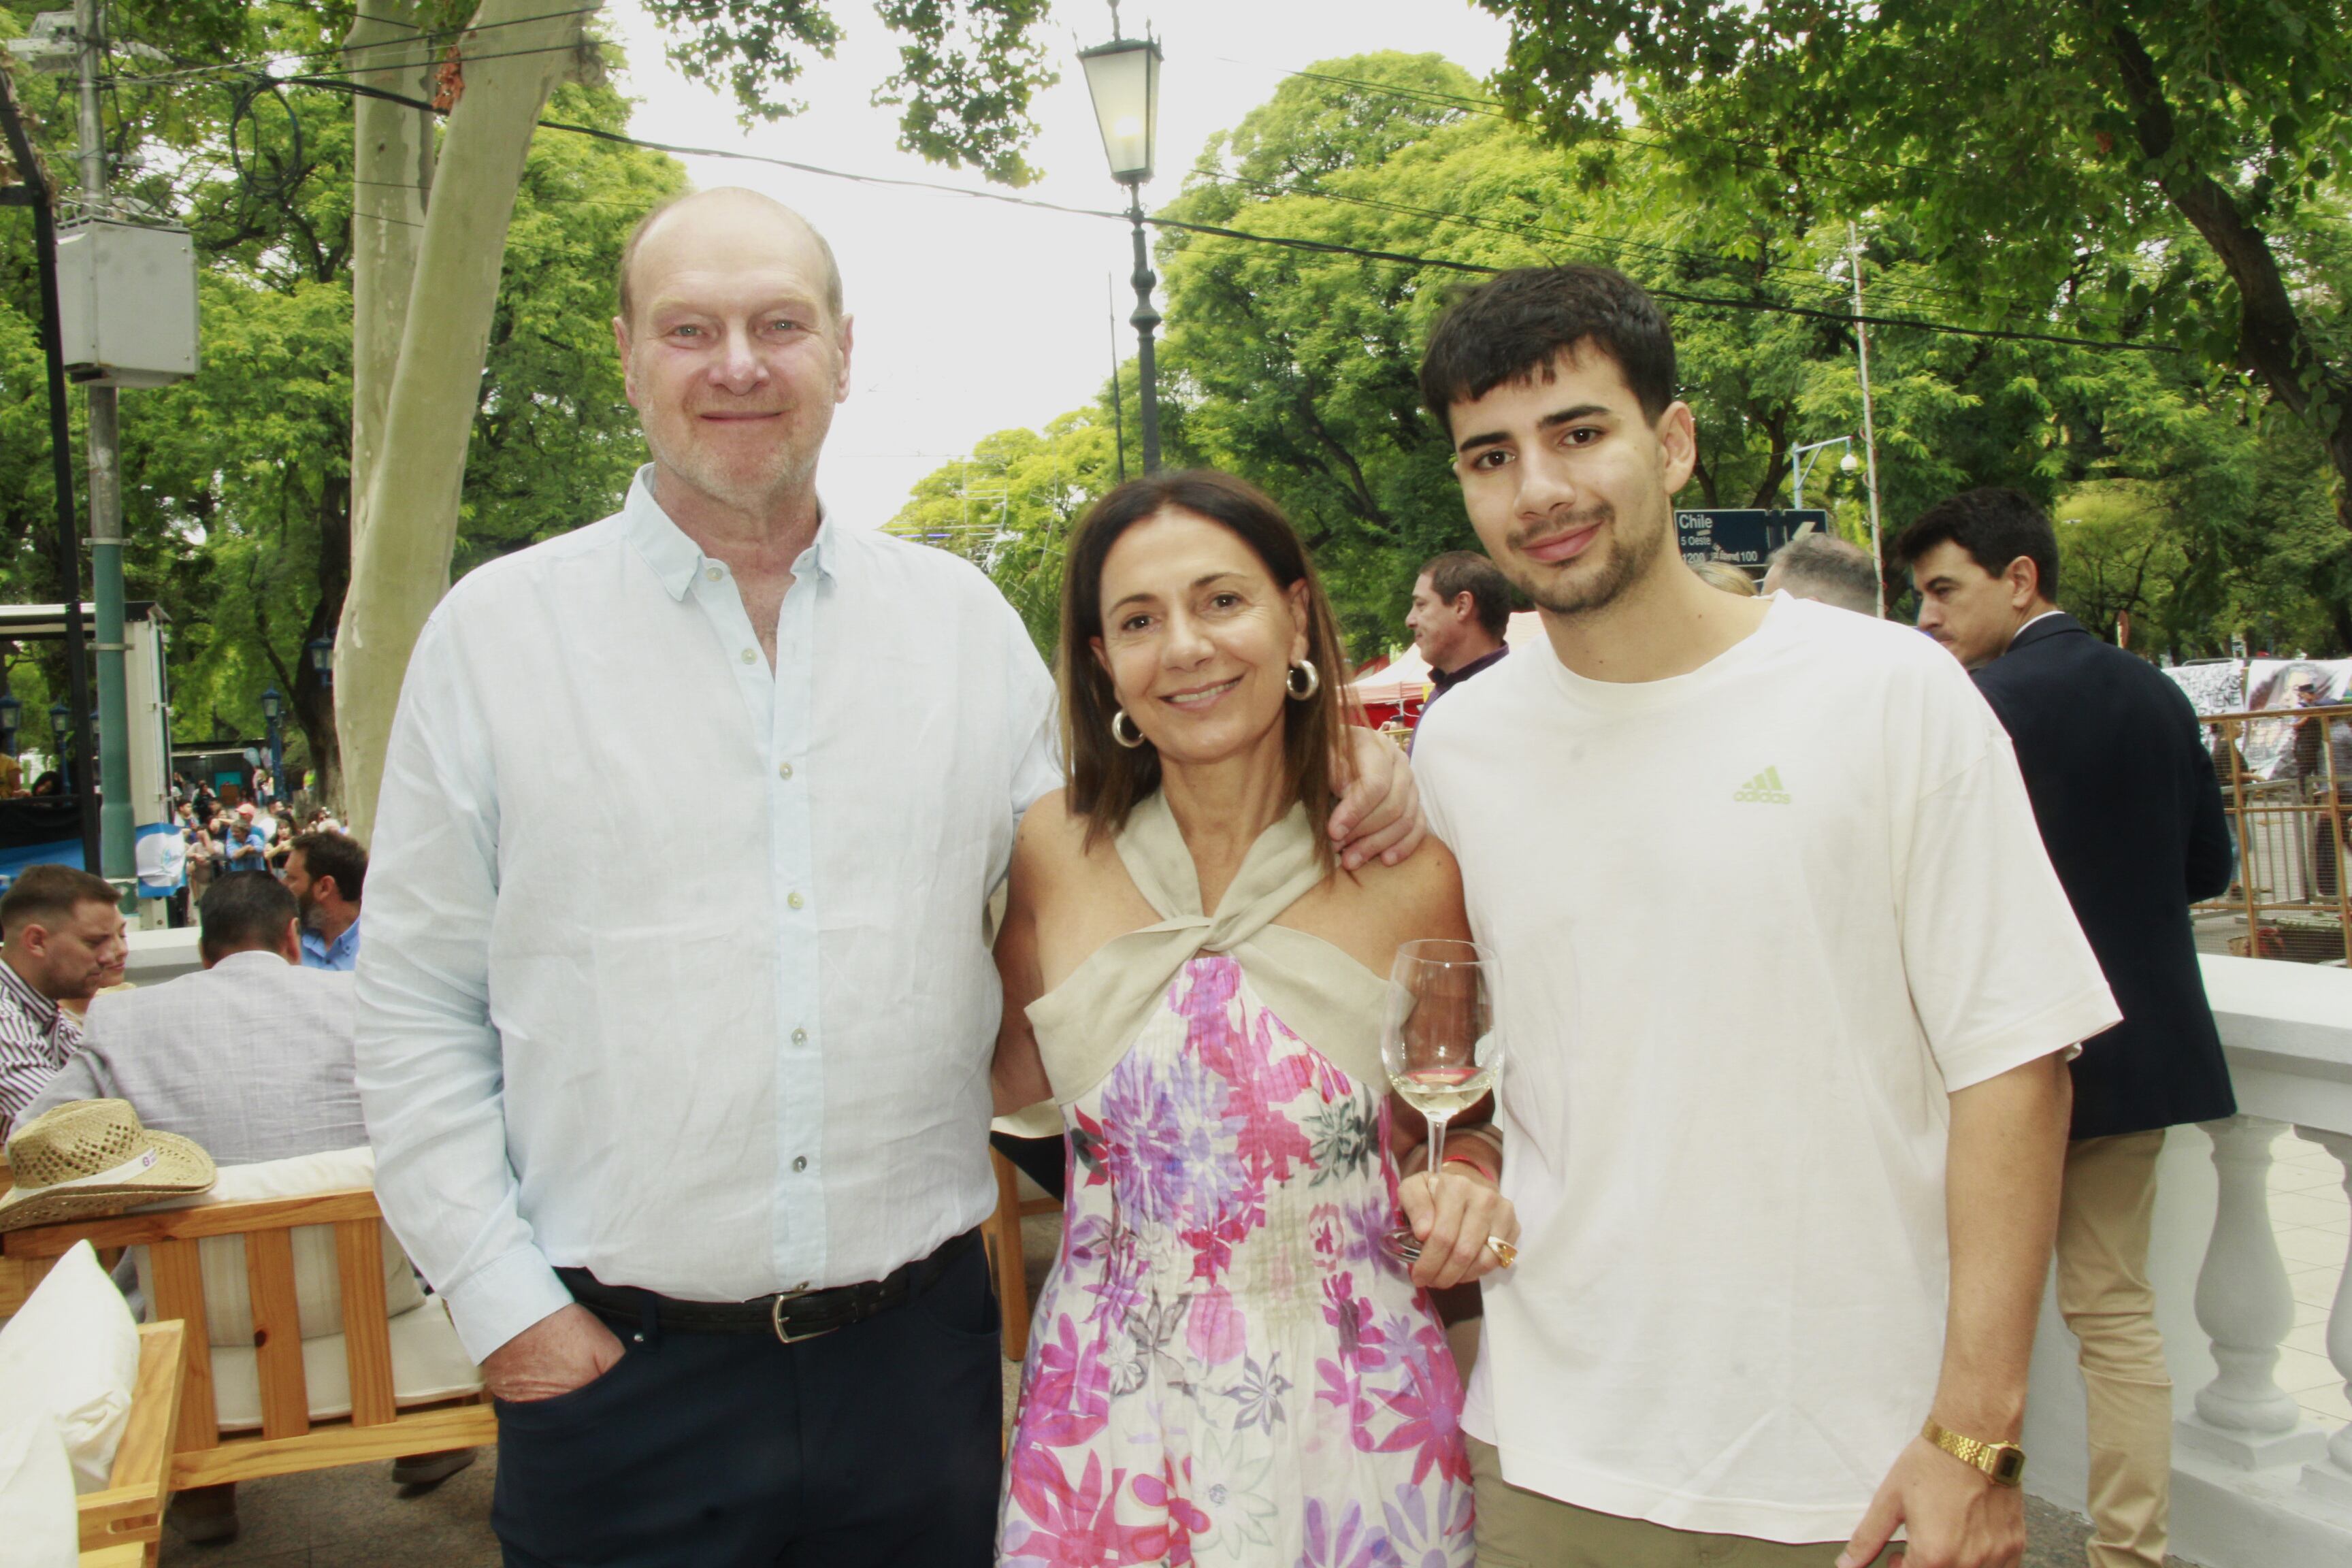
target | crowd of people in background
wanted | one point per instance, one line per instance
(65, 941)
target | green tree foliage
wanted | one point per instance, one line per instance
(1010, 506)
(236, 488)
(2095, 162)
(1295, 367)
(967, 68)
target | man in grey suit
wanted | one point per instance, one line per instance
(251, 1057)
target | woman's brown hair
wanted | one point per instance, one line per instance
(1106, 780)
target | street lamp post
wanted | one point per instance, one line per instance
(323, 660)
(1123, 79)
(1801, 460)
(273, 710)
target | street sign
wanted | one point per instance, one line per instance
(1746, 536)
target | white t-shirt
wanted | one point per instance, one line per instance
(1753, 924)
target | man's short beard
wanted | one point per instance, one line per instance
(781, 482)
(1627, 559)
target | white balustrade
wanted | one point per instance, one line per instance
(2246, 1306)
(2257, 1481)
(2331, 1478)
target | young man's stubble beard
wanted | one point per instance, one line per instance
(1625, 559)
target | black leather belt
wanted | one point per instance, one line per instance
(791, 1315)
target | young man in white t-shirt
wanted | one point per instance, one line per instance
(1788, 984)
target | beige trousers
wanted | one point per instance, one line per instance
(2106, 1300)
(1520, 1529)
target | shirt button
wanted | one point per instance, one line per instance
(795, 901)
(800, 1037)
(784, 770)
(750, 654)
(714, 573)
(801, 1164)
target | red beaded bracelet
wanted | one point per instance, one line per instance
(1453, 1158)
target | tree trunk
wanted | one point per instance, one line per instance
(407, 515)
(2272, 341)
(314, 696)
(391, 162)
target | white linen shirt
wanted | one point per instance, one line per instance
(675, 967)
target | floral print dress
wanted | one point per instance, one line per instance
(1226, 1366)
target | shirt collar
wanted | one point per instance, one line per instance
(248, 958)
(313, 942)
(44, 1011)
(1441, 679)
(675, 558)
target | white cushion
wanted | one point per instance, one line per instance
(37, 1492)
(72, 1352)
(428, 1363)
(317, 1286)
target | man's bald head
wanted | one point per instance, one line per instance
(724, 195)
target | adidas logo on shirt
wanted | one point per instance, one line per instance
(1764, 789)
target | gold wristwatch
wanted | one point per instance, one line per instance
(2004, 1462)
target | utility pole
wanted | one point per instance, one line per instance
(1869, 432)
(34, 192)
(116, 851)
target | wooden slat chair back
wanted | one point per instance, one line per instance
(289, 1440)
(1003, 1236)
(124, 1520)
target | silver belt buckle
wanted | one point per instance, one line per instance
(776, 1318)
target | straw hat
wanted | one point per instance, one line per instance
(91, 1159)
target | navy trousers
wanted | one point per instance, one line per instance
(873, 1446)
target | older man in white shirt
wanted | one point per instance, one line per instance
(684, 1116)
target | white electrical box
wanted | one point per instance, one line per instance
(127, 303)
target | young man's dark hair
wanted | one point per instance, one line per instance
(45, 893)
(1513, 328)
(1995, 525)
(336, 854)
(1460, 572)
(244, 909)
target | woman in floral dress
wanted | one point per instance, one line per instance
(1227, 1364)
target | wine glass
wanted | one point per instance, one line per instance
(1439, 1044)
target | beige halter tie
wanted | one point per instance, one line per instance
(1085, 1025)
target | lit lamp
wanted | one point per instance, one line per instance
(1123, 79)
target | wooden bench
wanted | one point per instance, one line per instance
(123, 1523)
(289, 1440)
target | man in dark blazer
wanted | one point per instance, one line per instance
(2124, 790)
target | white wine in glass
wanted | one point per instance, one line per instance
(1439, 1044)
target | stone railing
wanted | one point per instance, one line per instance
(2257, 1481)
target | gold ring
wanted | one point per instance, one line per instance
(1504, 1250)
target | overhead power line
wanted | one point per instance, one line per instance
(331, 83)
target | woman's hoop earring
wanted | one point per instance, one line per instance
(1121, 726)
(1313, 681)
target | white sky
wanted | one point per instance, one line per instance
(973, 316)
